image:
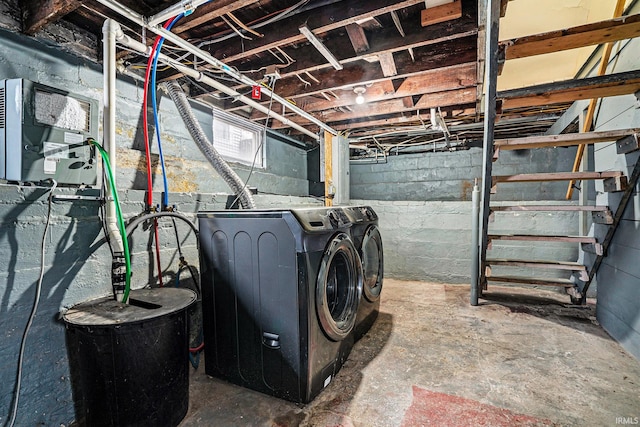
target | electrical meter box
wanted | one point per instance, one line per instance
(43, 132)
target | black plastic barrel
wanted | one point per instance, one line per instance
(130, 362)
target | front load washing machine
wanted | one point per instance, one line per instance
(280, 294)
(366, 237)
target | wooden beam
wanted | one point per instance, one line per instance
(448, 98)
(383, 41)
(398, 105)
(552, 265)
(455, 77)
(563, 140)
(431, 81)
(451, 53)
(286, 32)
(559, 208)
(544, 238)
(541, 281)
(444, 12)
(388, 65)
(211, 11)
(380, 43)
(39, 13)
(358, 38)
(399, 119)
(571, 90)
(584, 35)
(555, 176)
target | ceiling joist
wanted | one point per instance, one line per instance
(358, 38)
(286, 32)
(444, 12)
(38, 13)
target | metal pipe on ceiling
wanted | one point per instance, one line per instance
(205, 56)
(198, 76)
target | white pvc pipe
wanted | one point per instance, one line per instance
(186, 6)
(198, 76)
(180, 42)
(109, 30)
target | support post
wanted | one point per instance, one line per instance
(328, 169)
(490, 84)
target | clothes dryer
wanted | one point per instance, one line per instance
(366, 237)
(280, 295)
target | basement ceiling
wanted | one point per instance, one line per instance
(407, 60)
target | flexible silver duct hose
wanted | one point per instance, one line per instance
(219, 164)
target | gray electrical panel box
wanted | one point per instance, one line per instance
(43, 132)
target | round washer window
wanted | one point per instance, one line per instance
(372, 263)
(339, 287)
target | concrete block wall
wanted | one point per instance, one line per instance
(187, 169)
(77, 268)
(431, 240)
(450, 175)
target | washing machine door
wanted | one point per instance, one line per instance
(372, 263)
(339, 287)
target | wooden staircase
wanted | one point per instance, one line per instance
(579, 275)
(576, 277)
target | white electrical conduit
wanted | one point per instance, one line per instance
(109, 30)
(198, 76)
(180, 42)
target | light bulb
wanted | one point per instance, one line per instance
(359, 99)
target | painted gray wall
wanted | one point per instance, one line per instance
(449, 175)
(78, 262)
(431, 240)
(187, 169)
(618, 280)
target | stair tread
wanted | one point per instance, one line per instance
(555, 176)
(516, 208)
(537, 263)
(562, 140)
(543, 237)
(532, 280)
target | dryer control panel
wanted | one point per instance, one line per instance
(359, 214)
(320, 219)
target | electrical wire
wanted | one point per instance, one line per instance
(262, 24)
(120, 218)
(36, 301)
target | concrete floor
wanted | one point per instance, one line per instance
(521, 358)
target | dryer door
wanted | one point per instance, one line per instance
(372, 263)
(339, 287)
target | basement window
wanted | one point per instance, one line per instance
(238, 140)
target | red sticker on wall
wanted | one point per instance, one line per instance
(256, 92)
